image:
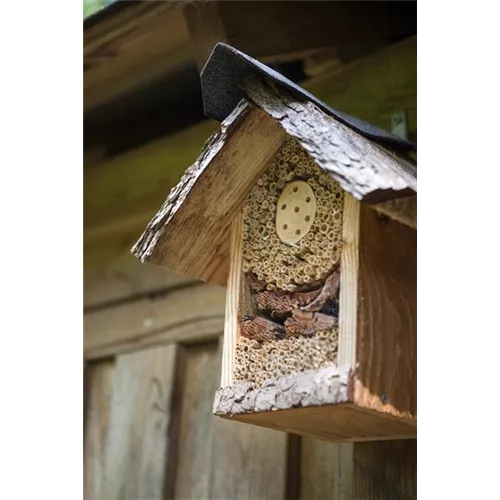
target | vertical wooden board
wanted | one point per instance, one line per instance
(247, 462)
(385, 470)
(200, 381)
(387, 316)
(140, 415)
(99, 388)
(326, 470)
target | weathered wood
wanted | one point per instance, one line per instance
(189, 233)
(343, 422)
(385, 470)
(129, 49)
(403, 210)
(99, 386)
(137, 443)
(361, 167)
(327, 470)
(386, 379)
(125, 278)
(248, 462)
(188, 315)
(277, 31)
(195, 433)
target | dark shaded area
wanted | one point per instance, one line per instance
(164, 106)
(170, 103)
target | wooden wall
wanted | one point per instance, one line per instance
(153, 365)
(152, 344)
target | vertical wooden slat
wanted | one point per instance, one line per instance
(200, 381)
(99, 381)
(247, 462)
(385, 470)
(327, 470)
(232, 300)
(137, 442)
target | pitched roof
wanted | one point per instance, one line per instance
(227, 68)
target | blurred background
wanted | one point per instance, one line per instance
(152, 354)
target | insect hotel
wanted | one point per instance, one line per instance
(308, 217)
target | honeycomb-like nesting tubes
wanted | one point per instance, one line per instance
(279, 264)
(256, 362)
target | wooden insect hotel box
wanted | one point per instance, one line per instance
(308, 216)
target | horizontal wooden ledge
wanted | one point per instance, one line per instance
(191, 314)
(197, 330)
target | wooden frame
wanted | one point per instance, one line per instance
(370, 392)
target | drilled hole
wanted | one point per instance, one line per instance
(285, 227)
(308, 218)
(308, 199)
(296, 209)
(283, 206)
(297, 232)
(295, 189)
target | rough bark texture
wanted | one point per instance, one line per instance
(328, 385)
(145, 246)
(362, 167)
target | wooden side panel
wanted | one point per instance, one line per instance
(387, 316)
(99, 382)
(385, 470)
(194, 461)
(137, 442)
(326, 470)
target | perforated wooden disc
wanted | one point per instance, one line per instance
(295, 211)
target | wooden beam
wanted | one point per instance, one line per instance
(204, 22)
(189, 314)
(280, 31)
(142, 42)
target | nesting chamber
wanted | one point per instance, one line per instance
(292, 243)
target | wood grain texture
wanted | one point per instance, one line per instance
(189, 233)
(99, 386)
(276, 31)
(234, 288)
(386, 379)
(130, 48)
(326, 470)
(385, 470)
(336, 423)
(125, 278)
(361, 167)
(137, 443)
(348, 294)
(195, 434)
(248, 462)
(403, 210)
(189, 314)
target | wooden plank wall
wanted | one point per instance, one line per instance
(149, 432)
